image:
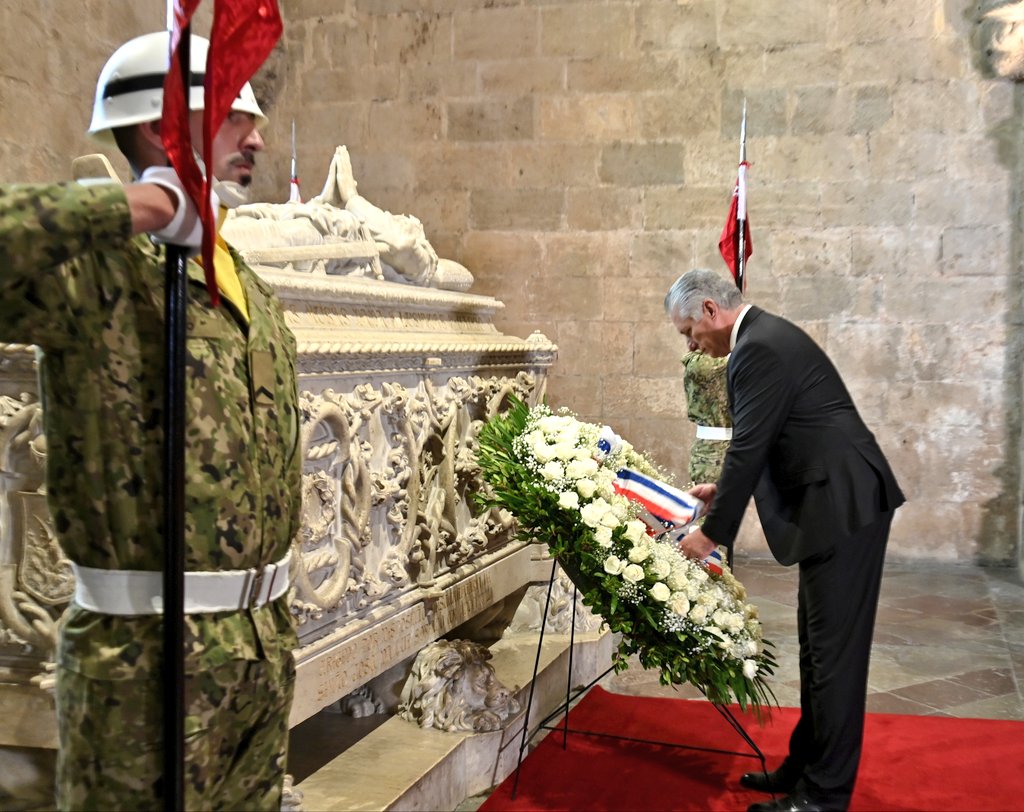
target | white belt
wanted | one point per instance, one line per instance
(138, 592)
(714, 433)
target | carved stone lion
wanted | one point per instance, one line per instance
(1002, 37)
(453, 687)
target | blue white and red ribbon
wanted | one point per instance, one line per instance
(670, 506)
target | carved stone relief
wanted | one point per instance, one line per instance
(387, 488)
(559, 618)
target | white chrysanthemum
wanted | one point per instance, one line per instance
(604, 479)
(613, 565)
(677, 579)
(633, 573)
(660, 568)
(569, 500)
(679, 604)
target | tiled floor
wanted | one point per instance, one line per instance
(949, 640)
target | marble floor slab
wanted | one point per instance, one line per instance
(949, 640)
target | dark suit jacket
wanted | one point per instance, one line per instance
(799, 446)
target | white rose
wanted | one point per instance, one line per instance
(698, 614)
(753, 648)
(551, 424)
(564, 451)
(569, 500)
(592, 513)
(679, 604)
(552, 471)
(603, 536)
(633, 573)
(635, 530)
(581, 469)
(749, 669)
(641, 552)
(542, 453)
(613, 565)
(611, 517)
(586, 487)
(660, 592)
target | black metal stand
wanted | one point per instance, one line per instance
(527, 735)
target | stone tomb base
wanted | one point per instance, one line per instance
(403, 767)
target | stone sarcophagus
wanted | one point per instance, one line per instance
(397, 372)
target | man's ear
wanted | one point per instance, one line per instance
(709, 308)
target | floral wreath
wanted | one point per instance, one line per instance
(560, 478)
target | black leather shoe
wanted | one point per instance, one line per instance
(791, 803)
(777, 781)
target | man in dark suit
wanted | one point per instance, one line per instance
(825, 496)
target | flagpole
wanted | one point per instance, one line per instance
(174, 493)
(294, 195)
(741, 209)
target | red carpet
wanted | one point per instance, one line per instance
(909, 762)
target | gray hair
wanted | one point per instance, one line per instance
(690, 290)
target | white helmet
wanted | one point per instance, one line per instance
(130, 89)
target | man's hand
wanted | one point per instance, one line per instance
(705, 492)
(696, 545)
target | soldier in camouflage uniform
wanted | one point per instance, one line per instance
(79, 278)
(707, 405)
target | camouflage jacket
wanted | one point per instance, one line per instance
(707, 403)
(76, 283)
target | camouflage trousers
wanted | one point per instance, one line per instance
(236, 739)
(706, 460)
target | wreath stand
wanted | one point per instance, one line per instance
(527, 736)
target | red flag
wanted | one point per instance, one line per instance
(243, 35)
(729, 242)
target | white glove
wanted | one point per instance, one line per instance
(185, 228)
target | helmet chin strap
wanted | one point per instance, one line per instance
(231, 194)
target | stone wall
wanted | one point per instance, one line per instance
(577, 155)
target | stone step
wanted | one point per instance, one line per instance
(399, 766)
